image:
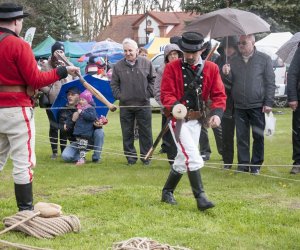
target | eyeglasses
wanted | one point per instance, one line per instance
(242, 43)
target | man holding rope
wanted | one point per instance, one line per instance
(19, 77)
(191, 82)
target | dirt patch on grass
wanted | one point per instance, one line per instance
(88, 189)
(295, 205)
(278, 201)
(96, 190)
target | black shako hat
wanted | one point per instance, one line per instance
(191, 42)
(57, 46)
(11, 11)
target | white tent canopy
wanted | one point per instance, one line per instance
(272, 42)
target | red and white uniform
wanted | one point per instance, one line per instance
(172, 90)
(17, 129)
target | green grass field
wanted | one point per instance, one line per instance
(115, 202)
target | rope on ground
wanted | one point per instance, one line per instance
(143, 243)
(20, 246)
(43, 228)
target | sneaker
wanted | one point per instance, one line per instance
(295, 170)
(54, 156)
(255, 172)
(227, 167)
(205, 157)
(131, 163)
(80, 162)
(146, 163)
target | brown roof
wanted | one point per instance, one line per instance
(184, 18)
(119, 28)
(122, 26)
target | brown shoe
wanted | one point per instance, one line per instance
(295, 170)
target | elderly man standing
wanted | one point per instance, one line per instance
(191, 81)
(253, 90)
(132, 83)
(19, 76)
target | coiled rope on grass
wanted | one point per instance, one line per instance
(43, 228)
(145, 244)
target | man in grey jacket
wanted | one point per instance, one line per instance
(132, 83)
(253, 89)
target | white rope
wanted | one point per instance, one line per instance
(137, 243)
(120, 153)
(43, 228)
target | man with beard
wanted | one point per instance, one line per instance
(182, 83)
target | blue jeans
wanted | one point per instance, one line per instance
(244, 119)
(72, 154)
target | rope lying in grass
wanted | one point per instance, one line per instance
(42, 228)
(20, 246)
(145, 244)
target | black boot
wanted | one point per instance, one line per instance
(196, 183)
(24, 196)
(170, 185)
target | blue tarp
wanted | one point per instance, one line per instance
(101, 85)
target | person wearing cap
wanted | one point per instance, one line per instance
(66, 126)
(84, 119)
(171, 53)
(19, 76)
(180, 86)
(52, 91)
(132, 83)
(97, 65)
(253, 89)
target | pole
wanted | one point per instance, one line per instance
(146, 28)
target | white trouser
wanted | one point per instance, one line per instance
(188, 157)
(17, 139)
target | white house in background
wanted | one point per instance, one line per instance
(141, 27)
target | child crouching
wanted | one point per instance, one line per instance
(84, 126)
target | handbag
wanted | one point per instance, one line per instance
(270, 124)
(44, 101)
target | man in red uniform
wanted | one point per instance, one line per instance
(19, 76)
(182, 83)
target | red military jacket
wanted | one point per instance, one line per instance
(18, 67)
(172, 86)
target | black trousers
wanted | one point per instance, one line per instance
(296, 136)
(143, 118)
(168, 143)
(228, 127)
(244, 120)
(204, 141)
(53, 133)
